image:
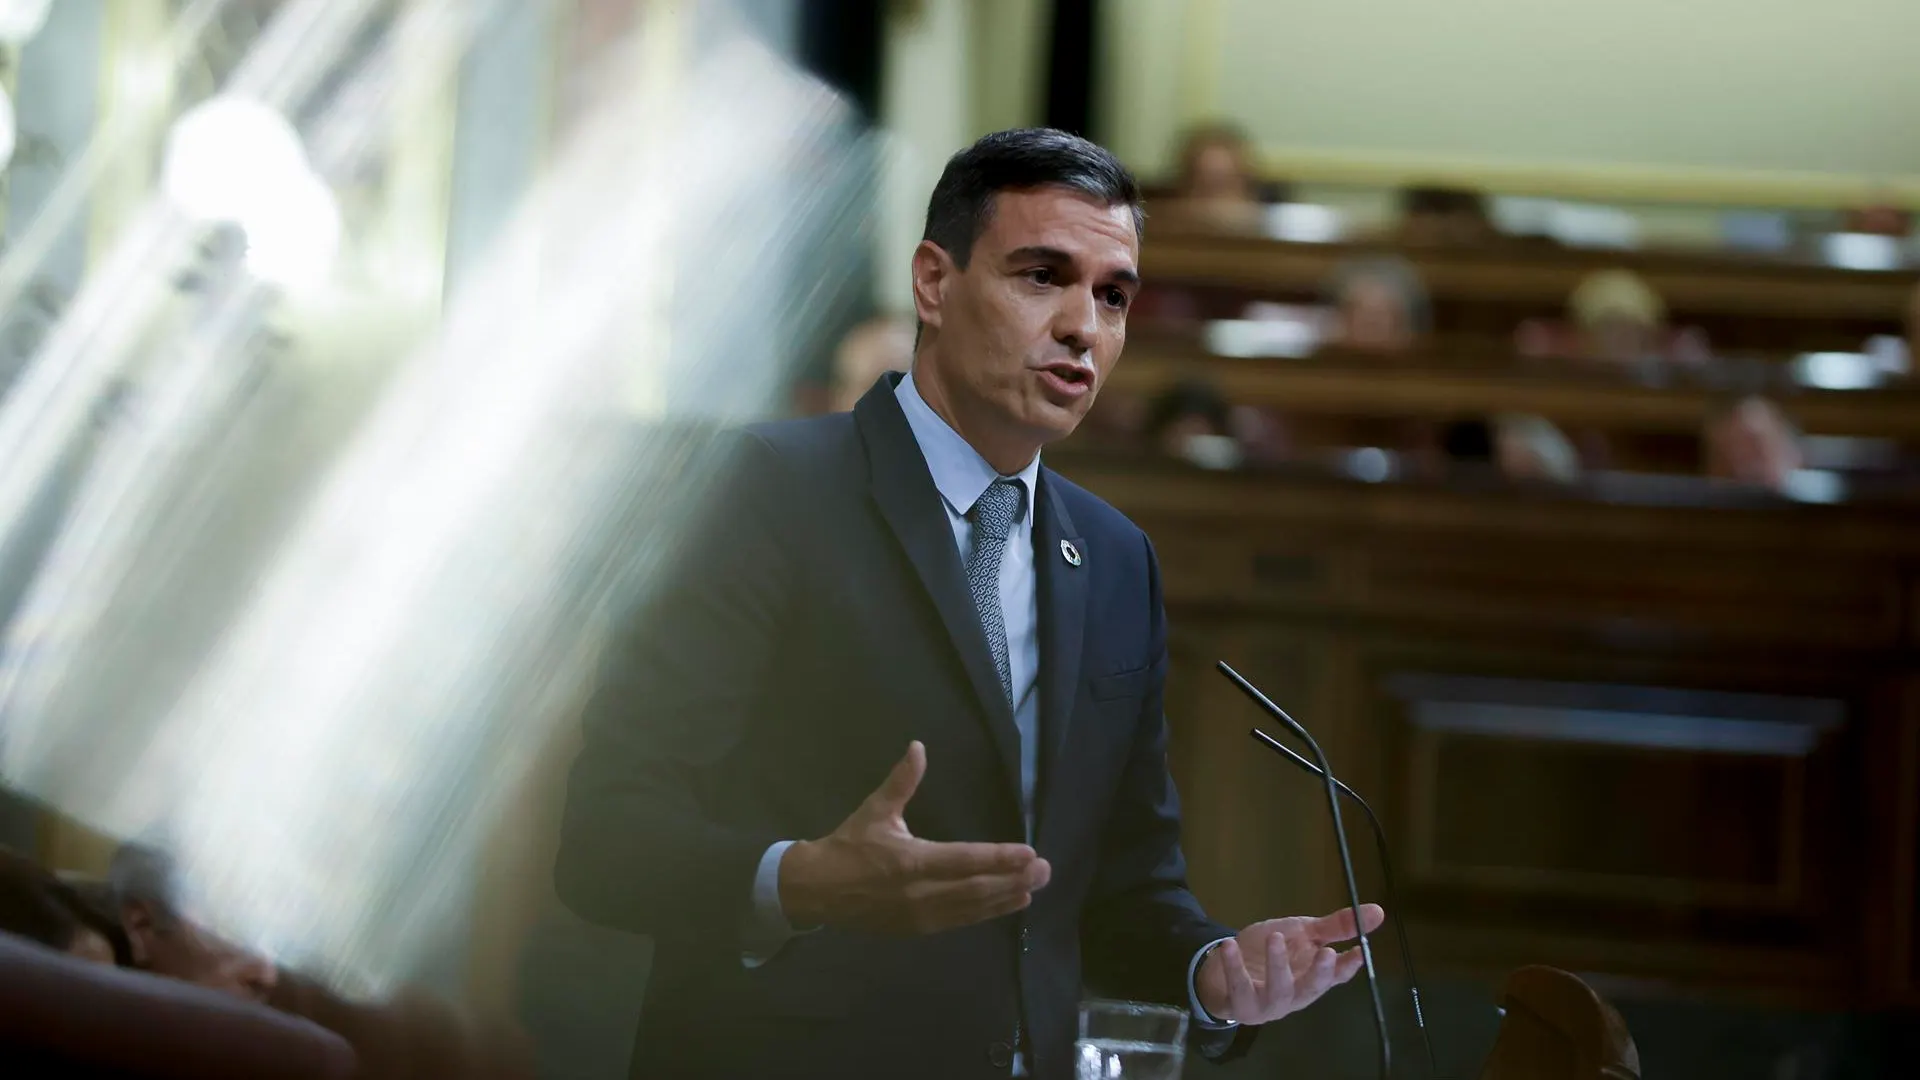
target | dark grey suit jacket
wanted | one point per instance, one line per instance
(818, 621)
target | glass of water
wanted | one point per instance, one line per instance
(1127, 1040)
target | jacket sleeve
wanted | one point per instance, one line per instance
(645, 845)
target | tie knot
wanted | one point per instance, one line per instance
(997, 507)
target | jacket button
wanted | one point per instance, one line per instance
(1000, 1055)
(1026, 939)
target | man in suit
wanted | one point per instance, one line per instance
(909, 577)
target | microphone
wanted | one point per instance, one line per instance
(1346, 856)
(1386, 881)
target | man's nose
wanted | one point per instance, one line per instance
(1077, 321)
(260, 975)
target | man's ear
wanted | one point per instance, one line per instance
(933, 273)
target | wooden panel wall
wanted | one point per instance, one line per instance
(1671, 748)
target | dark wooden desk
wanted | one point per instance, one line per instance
(1663, 746)
(1445, 389)
(1747, 300)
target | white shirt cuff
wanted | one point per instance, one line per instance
(767, 928)
(1200, 1014)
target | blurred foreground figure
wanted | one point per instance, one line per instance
(316, 596)
(402, 1037)
(162, 939)
(36, 905)
(882, 767)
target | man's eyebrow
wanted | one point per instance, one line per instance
(1039, 253)
(1053, 256)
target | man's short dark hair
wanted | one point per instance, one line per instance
(1016, 160)
(144, 874)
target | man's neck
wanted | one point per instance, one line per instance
(1007, 454)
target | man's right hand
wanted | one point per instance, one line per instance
(872, 874)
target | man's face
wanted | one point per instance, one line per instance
(176, 948)
(1027, 333)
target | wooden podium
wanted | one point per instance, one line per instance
(1555, 1027)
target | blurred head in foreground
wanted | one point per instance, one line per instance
(1380, 305)
(36, 905)
(1619, 316)
(1022, 286)
(869, 351)
(163, 940)
(1752, 442)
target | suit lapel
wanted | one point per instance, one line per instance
(904, 491)
(1062, 584)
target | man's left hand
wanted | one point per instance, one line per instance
(1281, 966)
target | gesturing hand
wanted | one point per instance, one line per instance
(1281, 966)
(873, 874)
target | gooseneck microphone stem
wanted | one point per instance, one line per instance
(1346, 858)
(1387, 890)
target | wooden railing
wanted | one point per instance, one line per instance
(1667, 746)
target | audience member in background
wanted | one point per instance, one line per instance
(1521, 446)
(1751, 442)
(870, 350)
(1615, 318)
(1193, 422)
(1380, 305)
(1528, 447)
(36, 905)
(1217, 189)
(1879, 219)
(1444, 217)
(1619, 317)
(1913, 327)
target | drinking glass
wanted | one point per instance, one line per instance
(1128, 1040)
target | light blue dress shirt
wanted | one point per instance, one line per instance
(961, 475)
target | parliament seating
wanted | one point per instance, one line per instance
(1768, 302)
(1665, 736)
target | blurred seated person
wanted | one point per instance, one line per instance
(1878, 219)
(1192, 422)
(1444, 217)
(1913, 326)
(1615, 318)
(1216, 189)
(1753, 443)
(412, 1035)
(162, 939)
(38, 906)
(1380, 305)
(1528, 447)
(873, 348)
(1523, 447)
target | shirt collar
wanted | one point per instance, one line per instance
(959, 472)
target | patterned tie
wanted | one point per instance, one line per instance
(993, 515)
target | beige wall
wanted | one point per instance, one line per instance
(953, 71)
(1726, 100)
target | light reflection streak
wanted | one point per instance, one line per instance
(310, 624)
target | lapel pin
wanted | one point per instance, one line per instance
(1070, 553)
